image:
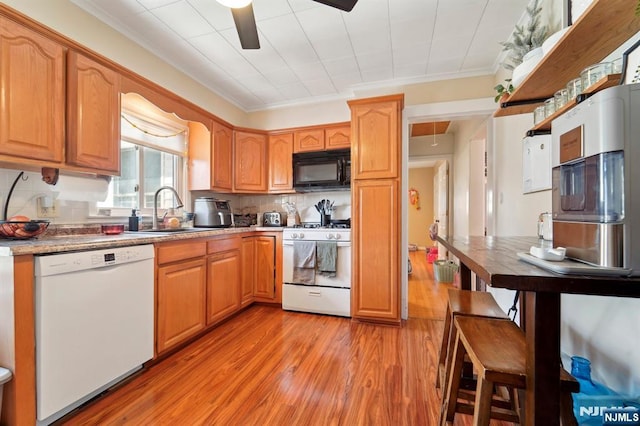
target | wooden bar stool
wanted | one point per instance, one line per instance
(468, 303)
(497, 349)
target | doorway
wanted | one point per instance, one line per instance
(475, 113)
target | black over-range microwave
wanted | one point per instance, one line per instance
(322, 171)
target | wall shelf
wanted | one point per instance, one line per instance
(605, 82)
(601, 29)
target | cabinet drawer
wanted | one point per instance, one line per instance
(172, 252)
(224, 244)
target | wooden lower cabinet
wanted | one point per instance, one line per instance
(376, 257)
(223, 285)
(258, 268)
(180, 302)
(224, 278)
(248, 269)
(265, 263)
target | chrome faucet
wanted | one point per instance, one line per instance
(155, 204)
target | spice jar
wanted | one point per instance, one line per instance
(574, 88)
(549, 107)
(560, 98)
(539, 114)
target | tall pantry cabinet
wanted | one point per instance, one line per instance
(376, 144)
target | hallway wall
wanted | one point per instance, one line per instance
(421, 179)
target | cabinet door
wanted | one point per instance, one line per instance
(265, 263)
(376, 145)
(180, 302)
(280, 157)
(250, 173)
(93, 121)
(376, 257)
(200, 141)
(248, 269)
(222, 158)
(223, 285)
(309, 140)
(32, 102)
(337, 137)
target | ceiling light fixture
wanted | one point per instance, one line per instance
(434, 135)
(234, 4)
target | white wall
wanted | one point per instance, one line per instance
(515, 212)
(461, 212)
(477, 181)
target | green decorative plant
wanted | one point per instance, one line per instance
(525, 38)
(503, 89)
(638, 8)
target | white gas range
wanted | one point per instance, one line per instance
(321, 281)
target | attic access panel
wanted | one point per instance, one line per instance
(427, 129)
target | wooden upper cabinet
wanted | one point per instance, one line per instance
(222, 157)
(250, 168)
(32, 101)
(199, 156)
(376, 130)
(280, 162)
(309, 140)
(93, 121)
(337, 137)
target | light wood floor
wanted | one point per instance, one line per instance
(271, 367)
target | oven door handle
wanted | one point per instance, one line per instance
(340, 243)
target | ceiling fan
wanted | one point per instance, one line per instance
(242, 12)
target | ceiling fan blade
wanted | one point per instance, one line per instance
(246, 26)
(345, 5)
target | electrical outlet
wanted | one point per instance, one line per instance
(48, 212)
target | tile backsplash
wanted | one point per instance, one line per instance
(26, 192)
(30, 187)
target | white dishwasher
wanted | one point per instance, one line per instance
(94, 323)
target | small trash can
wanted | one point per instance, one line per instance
(5, 376)
(444, 271)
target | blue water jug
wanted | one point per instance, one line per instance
(594, 397)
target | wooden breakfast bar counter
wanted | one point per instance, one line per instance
(494, 260)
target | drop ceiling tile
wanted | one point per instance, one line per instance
(345, 65)
(374, 75)
(333, 48)
(152, 4)
(320, 87)
(374, 61)
(269, 95)
(409, 70)
(294, 91)
(282, 76)
(343, 82)
(217, 49)
(218, 16)
(310, 71)
(183, 19)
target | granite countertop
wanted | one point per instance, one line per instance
(64, 242)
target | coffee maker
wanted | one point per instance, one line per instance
(596, 180)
